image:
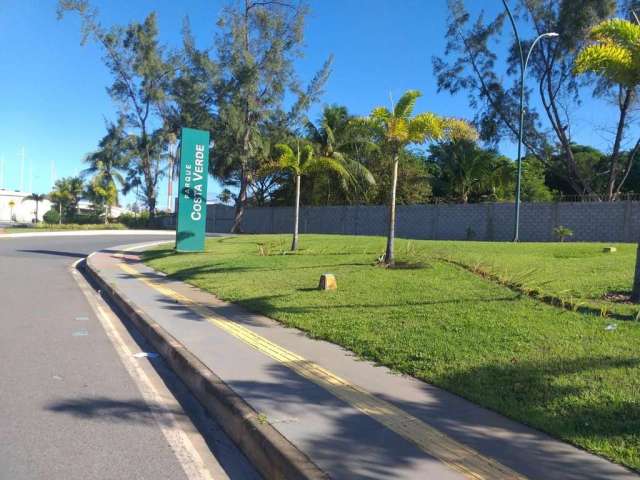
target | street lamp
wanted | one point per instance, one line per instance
(523, 68)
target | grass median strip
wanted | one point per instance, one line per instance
(557, 370)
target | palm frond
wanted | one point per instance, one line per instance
(325, 164)
(404, 107)
(380, 115)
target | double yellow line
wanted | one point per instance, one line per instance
(457, 456)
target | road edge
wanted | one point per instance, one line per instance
(266, 448)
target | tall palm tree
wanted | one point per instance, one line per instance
(398, 128)
(36, 197)
(301, 163)
(615, 55)
(113, 155)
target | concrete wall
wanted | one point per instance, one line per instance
(590, 221)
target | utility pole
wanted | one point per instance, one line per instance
(1, 171)
(52, 173)
(30, 176)
(22, 170)
(523, 70)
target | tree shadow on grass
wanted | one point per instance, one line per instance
(267, 306)
(352, 444)
(187, 274)
(545, 396)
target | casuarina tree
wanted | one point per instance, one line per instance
(257, 46)
(141, 77)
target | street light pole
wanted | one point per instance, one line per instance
(523, 68)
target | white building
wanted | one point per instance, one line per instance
(15, 208)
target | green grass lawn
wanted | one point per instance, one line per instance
(558, 370)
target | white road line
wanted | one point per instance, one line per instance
(161, 408)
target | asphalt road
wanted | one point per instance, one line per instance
(70, 408)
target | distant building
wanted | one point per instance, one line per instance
(86, 207)
(14, 207)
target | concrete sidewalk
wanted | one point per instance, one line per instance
(347, 418)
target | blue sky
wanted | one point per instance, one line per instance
(53, 100)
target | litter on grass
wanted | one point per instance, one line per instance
(611, 327)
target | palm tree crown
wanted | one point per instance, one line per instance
(614, 53)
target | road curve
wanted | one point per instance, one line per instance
(69, 408)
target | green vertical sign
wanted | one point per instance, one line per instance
(192, 191)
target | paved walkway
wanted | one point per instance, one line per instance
(351, 418)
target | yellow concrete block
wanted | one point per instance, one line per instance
(328, 282)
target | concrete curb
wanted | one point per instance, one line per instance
(267, 449)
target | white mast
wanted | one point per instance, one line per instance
(53, 172)
(22, 171)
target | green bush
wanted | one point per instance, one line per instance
(131, 220)
(84, 226)
(51, 217)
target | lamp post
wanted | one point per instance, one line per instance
(523, 68)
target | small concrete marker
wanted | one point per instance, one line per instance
(328, 282)
(609, 249)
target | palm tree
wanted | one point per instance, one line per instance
(335, 137)
(615, 55)
(301, 163)
(36, 198)
(66, 194)
(113, 154)
(399, 128)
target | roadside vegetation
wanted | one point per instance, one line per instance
(44, 227)
(574, 375)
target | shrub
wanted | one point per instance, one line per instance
(140, 220)
(562, 232)
(84, 226)
(51, 217)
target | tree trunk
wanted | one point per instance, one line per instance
(296, 215)
(388, 257)
(60, 213)
(107, 214)
(37, 212)
(240, 204)
(152, 208)
(615, 155)
(635, 293)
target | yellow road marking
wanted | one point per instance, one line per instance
(457, 456)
